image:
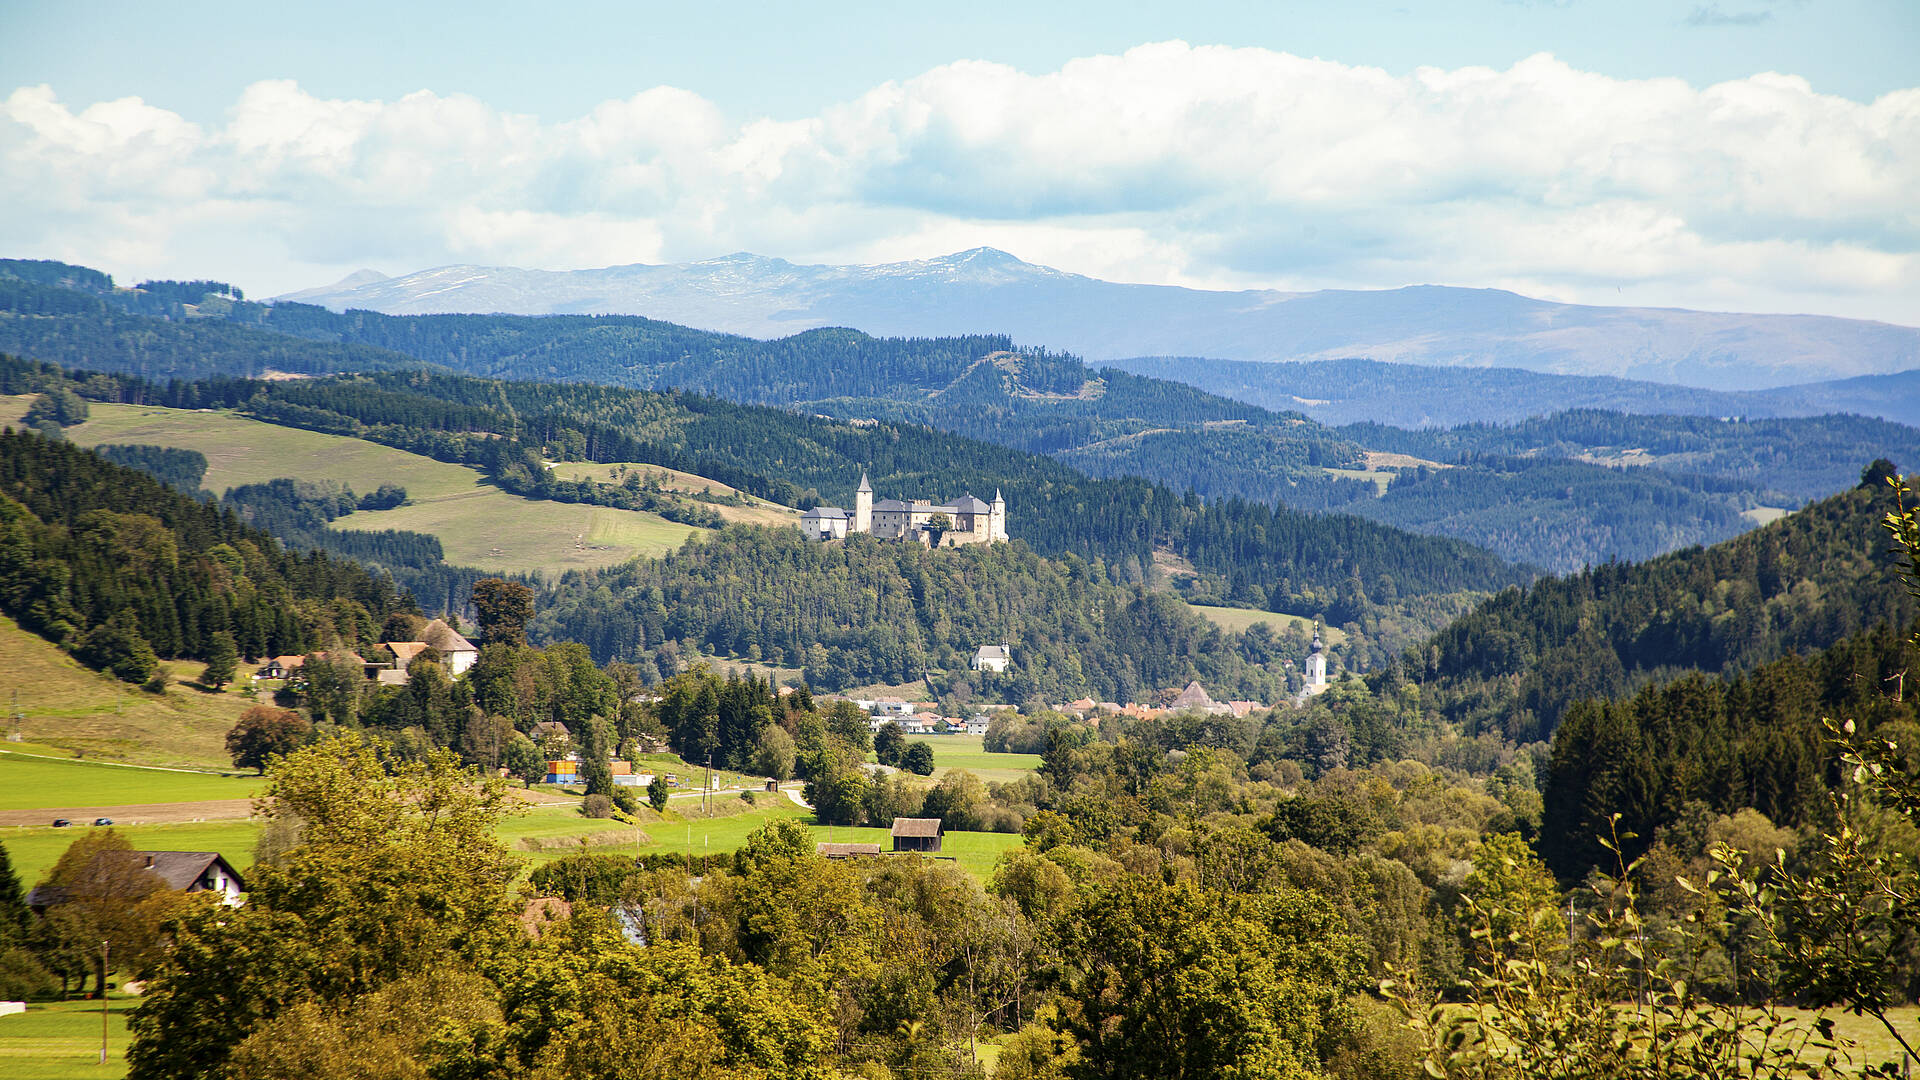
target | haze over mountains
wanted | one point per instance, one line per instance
(985, 290)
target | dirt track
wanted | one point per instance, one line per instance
(135, 813)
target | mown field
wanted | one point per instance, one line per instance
(60, 1040)
(477, 524)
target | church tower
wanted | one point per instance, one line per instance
(997, 518)
(1317, 665)
(863, 506)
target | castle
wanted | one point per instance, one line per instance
(967, 520)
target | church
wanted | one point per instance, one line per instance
(965, 520)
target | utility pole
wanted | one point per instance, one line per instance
(104, 950)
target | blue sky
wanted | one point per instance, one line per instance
(1600, 152)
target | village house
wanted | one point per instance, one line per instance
(965, 520)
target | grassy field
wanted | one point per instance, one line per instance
(1765, 515)
(976, 852)
(1238, 619)
(61, 1040)
(34, 850)
(952, 752)
(68, 706)
(478, 524)
(30, 782)
(1380, 480)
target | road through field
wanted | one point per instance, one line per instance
(166, 813)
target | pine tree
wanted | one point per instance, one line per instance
(222, 657)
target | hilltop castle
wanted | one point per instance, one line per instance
(966, 520)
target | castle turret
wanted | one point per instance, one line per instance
(997, 517)
(863, 505)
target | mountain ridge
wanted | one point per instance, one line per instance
(988, 290)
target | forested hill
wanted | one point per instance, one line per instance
(1517, 662)
(1344, 568)
(118, 567)
(1800, 458)
(867, 611)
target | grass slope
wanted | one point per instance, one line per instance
(67, 706)
(60, 1040)
(477, 524)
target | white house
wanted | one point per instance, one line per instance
(994, 658)
(824, 523)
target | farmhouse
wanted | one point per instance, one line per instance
(965, 520)
(182, 871)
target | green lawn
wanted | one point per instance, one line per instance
(29, 782)
(61, 1040)
(1380, 480)
(1238, 619)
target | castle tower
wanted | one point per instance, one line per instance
(997, 518)
(863, 506)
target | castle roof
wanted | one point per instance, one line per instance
(890, 504)
(821, 513)
(864, 486)
(967, 504)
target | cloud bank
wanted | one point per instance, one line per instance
(1171, 163)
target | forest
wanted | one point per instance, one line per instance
(1520, 659)
(867, 611)
(122, 569)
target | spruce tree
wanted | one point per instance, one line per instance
(222, 657)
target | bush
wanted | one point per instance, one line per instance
(624, 801)
(597, 806)
(24, 978)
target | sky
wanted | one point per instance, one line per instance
(1750, 155)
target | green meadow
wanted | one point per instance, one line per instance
(29, 782)
(953, 752)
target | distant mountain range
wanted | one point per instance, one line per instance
(984, 290)
(1412, 396)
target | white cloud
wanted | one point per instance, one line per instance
(1170, 163)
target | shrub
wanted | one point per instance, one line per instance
(597, 806)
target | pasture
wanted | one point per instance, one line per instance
(477, 524)
(68, 706)
(60, 1040)
(760, 512)
(952, 752)
(32, 782)
(1238, 619)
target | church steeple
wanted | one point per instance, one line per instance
(863, 505)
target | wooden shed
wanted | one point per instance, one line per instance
(917, 834)
(847, 851)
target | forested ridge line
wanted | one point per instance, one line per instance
(1517, 661)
